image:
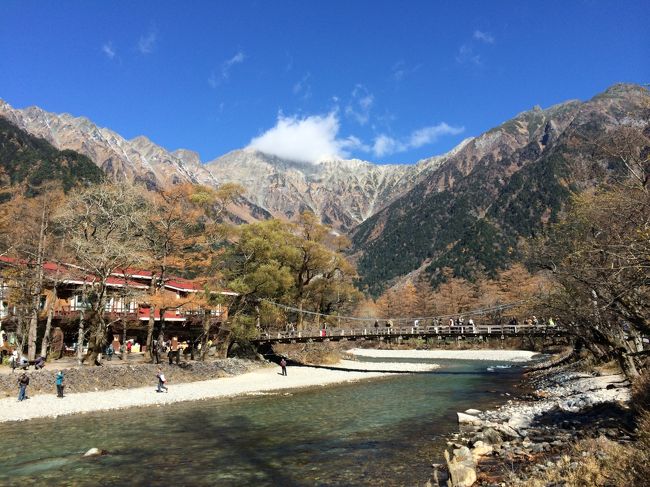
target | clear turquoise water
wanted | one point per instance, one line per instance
(383, 432)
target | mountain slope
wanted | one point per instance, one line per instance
(138, 160)
(342, 192)
(502, 186)
(28, 161)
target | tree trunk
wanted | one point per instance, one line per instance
(161, 333)
(80, 338)
(123, 355)
(31, 332)
(38, 288)
(150, 328)
(223, 341)
(206, 336)
(300, 314)
(48, 324)
(97, 339)
(628, 366)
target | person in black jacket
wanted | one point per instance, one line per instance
(23, 382)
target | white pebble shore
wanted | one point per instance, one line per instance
(263, 380)
(492, 355)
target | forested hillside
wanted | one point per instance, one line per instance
(505, 185)
(30, 162)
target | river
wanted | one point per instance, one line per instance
(380, 432)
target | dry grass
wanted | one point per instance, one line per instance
(602, 462)
(590, 463)
(325, 353)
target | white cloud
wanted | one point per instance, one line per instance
(483, 37)
(228, 64)
(467, 55)
(302, 87)
(308, 139)
(385, 145)
(401, 70)
(360, 105)
(226, 67)
(109, 50)
(147, 43)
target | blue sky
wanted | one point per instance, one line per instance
(385, 81)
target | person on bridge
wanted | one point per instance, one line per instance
(283, 366)
(389, 325)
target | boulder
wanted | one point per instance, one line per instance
(480, 449)
(461, 467)
(469, 419)
(473, 412)
(95, 452)
(491, 436)
(506, 430)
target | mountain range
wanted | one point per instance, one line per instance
(342, 192)
(466, 210)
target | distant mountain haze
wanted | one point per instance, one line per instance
(466, 209)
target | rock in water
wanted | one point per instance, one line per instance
(94, 452)
(469, 419)
(473, 412)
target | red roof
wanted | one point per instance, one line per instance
(134, 273)
(180, 284)
(119, 278)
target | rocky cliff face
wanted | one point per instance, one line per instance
(470, 214)
(342, 192)
(138, 160)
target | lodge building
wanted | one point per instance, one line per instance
(126, 309)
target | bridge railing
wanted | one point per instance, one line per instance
(371, 331)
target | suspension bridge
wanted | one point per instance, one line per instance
(428, 327)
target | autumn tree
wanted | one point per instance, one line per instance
(298, 264)
(599, 256)
(183, 223)
(102, 226)
(455, 295)
(30, 240)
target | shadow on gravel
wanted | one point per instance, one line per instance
(601, 418)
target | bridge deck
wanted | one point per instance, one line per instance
(440, 332)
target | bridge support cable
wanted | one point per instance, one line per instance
(475, 312)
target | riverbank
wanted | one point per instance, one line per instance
(264, 379)
(536, 436)
(487, 355)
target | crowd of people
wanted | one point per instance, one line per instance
(453, 324)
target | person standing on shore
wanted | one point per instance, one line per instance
(14, 360)
(23, 382)
(59, 384)
(161, 381)
(155, 349)
(283, 365)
